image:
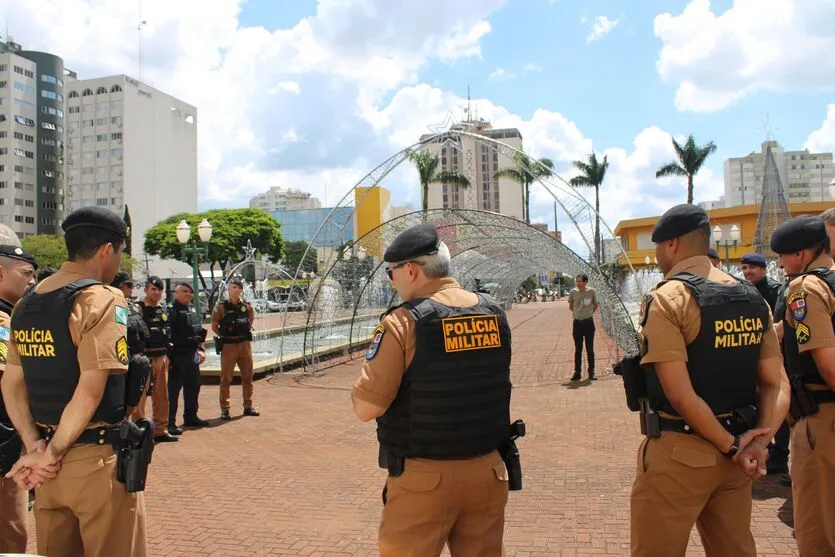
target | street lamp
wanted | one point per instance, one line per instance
(204, 232)
(735, 237)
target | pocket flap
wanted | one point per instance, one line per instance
(693, 458)
(501, 471)
(419, 481)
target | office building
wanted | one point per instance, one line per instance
(281, 199)
(372, 207)
(303, 225)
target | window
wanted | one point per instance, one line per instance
(4, 68)
(87, 92)
(115, 104)
(48, 78)
(25, 121)
(87, 123)
(50, 94)
(30, 220)
(101, 154)
(101, 107)
(59, 113)
(101, 121)
(116, 120)
(101, 91)
(116, 153)
(4, 151)
(87, 139)
(29, 203)
(73, 95)
(101, 185)
(25, 105)
(101, 201)
(48, 141)
(115, 89)
(101, 137)
(18, 186)
(50, 158)
(87, 171)
(116, 136)
(74, 109)
(60, 128)
(49, 173)
(3, 84)
(4, 134)
(19, 86)
(48, 125)
(3, 185)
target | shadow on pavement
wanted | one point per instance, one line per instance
(769, 488)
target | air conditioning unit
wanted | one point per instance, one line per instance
(118, 173)
(118, 141)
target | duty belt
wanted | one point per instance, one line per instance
(822, 397)
(155, 352)
(104, 435)
(732, 424)
(235, 340)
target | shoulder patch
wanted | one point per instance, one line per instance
(645, 302)
(376, 337)
(122, 353)
(803, 333)
(121, 315)
(797, 305)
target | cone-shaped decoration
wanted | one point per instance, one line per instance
(774, 210)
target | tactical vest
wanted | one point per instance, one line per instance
(454, 398)
(186, 328)
(156, 318)
(235, 322)
(138, 333)
(7, 308)
(722, 359)
(803, 365)
(49, 357)
(780, 304)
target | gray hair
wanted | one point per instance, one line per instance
(828, 216)
(435, 265)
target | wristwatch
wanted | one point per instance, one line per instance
(734, 448)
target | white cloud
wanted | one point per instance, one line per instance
(530, 67)
(289, 86)
(501, 74)
(601, 27)
(756, 45)
(822, 140)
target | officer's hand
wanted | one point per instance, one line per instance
(201, 356)
(753, 452)
(34, 468)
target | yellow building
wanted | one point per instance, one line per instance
(371, 210)
(634, 234)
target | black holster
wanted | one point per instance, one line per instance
(510, 455)
(133, 454)
(218, 345)
(11, 447)
(634, 380)
(392, 462)
(139, 368)
(802, 402)
(650, 422)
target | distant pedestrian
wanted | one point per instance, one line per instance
(582, 301)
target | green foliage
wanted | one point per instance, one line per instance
(128, 241)
(592, 174)
(231, 228)
(427, 164)
(49, 250)
(526, 172)
(691, 157)
(293, 252)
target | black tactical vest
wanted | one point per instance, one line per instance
(722, 360)
(803, 365)
(235, 322)
(137, 331)
(186, 328)
(49, 356)
(454, 399)
(156, 318)
(7, 308)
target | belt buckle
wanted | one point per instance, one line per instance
(49, 433)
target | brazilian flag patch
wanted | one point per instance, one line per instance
(122, 353)
(121, 315)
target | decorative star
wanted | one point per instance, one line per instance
(249, 251)
(445, 125)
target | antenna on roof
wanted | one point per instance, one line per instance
(139, 28)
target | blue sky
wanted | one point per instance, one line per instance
(313, 94)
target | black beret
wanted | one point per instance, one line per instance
(121, 278)
(678, 221)
(753, 258)
(237, 279)
(712, 253)
(154, 280)
(98, 217)
(798, 234)
(414, 242)
(16, 252)
(187, 285)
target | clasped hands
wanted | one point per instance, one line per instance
(753, 452)
(35, 467)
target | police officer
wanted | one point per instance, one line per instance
(753, 267)
(66, 384)
(232, 321)
(17, 273)
(187, 336)
(137, 336)
(437, 379)
(714, 257)
(809, 347)
(710, 356)
(155, 316)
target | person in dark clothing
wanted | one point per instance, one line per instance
(753, 268)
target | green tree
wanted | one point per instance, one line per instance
(526, 172)
(293, 252)
(428, 173)
(231, 228)
(50, 250)
(691, 157)
(592, 174)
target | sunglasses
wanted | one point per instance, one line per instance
(403, 264)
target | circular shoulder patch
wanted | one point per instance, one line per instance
(376, 338)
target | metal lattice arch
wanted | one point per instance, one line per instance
(345, 302)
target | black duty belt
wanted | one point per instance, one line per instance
(161, 351)
(236, 340)
(730, 424)
(822, 397)
(105, 435)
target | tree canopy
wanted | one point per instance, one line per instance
(427, 164)
(690, 157)
(526, 172)
(293, 252)
(49, 250)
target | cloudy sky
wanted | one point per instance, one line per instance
(314, 93)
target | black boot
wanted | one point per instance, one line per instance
(576, 376)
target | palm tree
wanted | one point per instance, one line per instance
(691, 157)
(526, 172)
(592, 174)
(427, 167)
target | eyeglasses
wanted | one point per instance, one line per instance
(403, 264)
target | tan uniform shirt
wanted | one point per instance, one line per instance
(97, 322)
(5, 336)
(582, 303)
(810, 298)
(673, 319)
(380, 378)
(219, 312)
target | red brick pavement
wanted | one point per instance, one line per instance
(302, 479)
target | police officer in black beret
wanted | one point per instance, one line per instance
(17, 269)
(68, 358)
(802, 246)
(715, 394)
(186, 355)
(753, 267)
(714, 257)
(437, 379)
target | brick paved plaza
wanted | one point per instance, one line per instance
(302, 479)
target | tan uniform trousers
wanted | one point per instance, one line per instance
(14, 503)
(240, 354)
(435, 502)
(159, 396)
(684, 480)
(86, 512)
(813, 482)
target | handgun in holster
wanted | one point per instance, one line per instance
(802, 403)
(650, 422)
(133, 454)
(218, 345)
(510, 455)
(634, 380)
(392, 462)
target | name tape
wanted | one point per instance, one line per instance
(476, 332)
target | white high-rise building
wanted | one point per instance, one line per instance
(479, 163)
(129, 144)
(805, 176)
(281, 199)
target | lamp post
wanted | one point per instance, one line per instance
(717, 237)
(204, 231)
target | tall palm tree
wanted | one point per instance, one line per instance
(526, 172)
(427, 167)
(691, 157)
(592, 174)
